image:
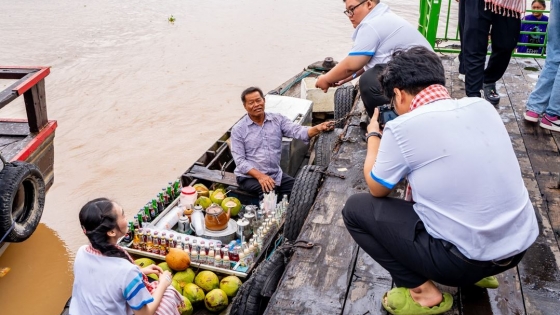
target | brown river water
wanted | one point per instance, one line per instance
(138, 99)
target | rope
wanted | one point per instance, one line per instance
(9, 230)
(296, 80)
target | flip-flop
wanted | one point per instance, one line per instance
(488, 283)
(400, 302)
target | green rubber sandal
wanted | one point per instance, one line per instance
(488, 283)
(400, 302)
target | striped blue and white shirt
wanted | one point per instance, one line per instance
(382, 32)
(106, 285)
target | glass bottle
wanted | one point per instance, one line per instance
(142, 237)
(210, 256)
(163, 246)
(149, 241)
(202, 256)
(194, 255)
(136, 240)
(155, 243)
(225, 258)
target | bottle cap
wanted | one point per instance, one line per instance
(188, 190)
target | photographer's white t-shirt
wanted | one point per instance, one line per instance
(466, 181)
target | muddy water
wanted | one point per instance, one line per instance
(138, 99)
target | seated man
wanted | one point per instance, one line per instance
(471, 217)
(378, 33)
(256, 145)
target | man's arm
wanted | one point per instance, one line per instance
(375, 188)
(317, 129)
(346, 68)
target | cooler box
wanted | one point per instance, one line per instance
(299, 111)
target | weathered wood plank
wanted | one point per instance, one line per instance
(539, 271)
(202, 172)
(8, 128)
(316, 280)
(36, 106)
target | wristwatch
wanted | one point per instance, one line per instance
(374, 134)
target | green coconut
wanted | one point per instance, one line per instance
(203, 201)
(165, 267)
(184, 277)
(177, 287)
(207, 280)
(216, 300)
(188, 309)
(233, 203)
(230, 285)
(193, 293)
(201, 190)
(218, 196)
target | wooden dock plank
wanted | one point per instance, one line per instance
(473, 300)
(539, 271)
(316, 280)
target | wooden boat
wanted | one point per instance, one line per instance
(216, 166)
(27, 153)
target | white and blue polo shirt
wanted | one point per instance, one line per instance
(381, 32)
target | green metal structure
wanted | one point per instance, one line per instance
(445, 38)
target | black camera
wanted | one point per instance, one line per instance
(386, 114)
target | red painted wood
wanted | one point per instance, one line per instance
(36, 142)
(29, 83)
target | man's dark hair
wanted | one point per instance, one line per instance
(250, 90)
(412, 70)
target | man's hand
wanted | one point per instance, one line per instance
(373, 123)
(326, 126)
(322, 83)
(267, 183)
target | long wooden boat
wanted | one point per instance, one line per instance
(215, 168)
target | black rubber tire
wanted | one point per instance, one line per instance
(22, 198)
(239, 302)
(343, 102)
(324, 147)
(254, 295)
(302, 198)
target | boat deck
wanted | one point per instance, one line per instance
(337, 277)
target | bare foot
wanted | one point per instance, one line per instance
(427, 294)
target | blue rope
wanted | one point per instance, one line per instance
(9, 230)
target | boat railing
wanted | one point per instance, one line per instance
(442, 31)
(31, 84)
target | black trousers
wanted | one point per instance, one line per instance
(252, 185)
(370, 89)
(391, 232)
(474, 26)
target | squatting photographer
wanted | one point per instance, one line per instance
(471, 217)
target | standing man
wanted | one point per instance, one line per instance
(471, 217)
(256, 145)
(378, 33)
(478, 18)
(545, 98)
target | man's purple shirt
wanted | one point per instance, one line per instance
(260, 147)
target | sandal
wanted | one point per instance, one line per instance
(400, 302)
(488, 283)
